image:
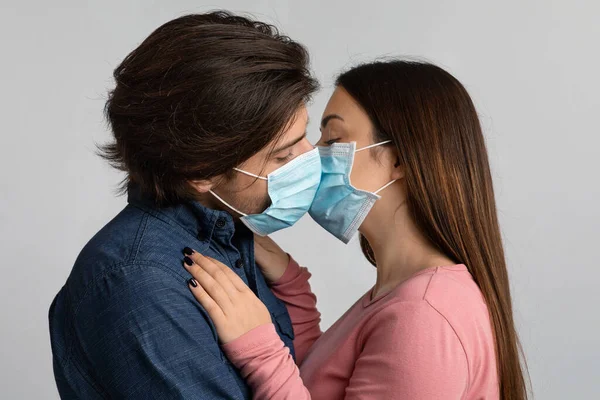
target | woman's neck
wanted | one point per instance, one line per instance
(400, 249)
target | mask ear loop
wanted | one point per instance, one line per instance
(251, 174)
(384, 186)
(227, 204)
(372, 145)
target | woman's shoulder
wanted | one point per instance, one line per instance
(442, 301)
(450, 291)
(441, 286)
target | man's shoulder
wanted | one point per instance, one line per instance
(133, 243)
(133, 296)
(133, 308)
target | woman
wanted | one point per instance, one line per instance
(438, 323)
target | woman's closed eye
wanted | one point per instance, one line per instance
(332, 141)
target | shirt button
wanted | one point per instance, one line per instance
(239, 264)
(220, 223)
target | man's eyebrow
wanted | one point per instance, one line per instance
(328, 118)
(290, 144)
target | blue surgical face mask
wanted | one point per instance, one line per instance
(338, 206)
(291, 188)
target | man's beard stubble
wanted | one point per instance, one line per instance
(244, 202)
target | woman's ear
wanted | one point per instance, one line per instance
(398, 172)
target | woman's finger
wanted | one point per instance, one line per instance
(210, 285)
(212, 308)
(233, 277)
(209, 265)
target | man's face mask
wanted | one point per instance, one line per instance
(339, 207)
(291, 189)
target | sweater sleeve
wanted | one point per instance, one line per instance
(266, 365)
(410, 351)
(294, 290)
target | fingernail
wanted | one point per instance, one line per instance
(188, 260)
(193, 282)
(187, 251)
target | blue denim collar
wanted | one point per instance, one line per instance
(202, 222)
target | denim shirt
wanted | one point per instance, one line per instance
(125, 325)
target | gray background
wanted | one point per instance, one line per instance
(531, 67)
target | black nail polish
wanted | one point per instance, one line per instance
(193, 282)
(188, 260)
(187, 251)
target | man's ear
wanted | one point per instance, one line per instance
(202, 185)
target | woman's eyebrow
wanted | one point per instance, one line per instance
(328, 118)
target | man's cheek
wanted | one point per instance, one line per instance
(253, 199)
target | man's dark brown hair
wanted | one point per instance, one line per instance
(202, 94)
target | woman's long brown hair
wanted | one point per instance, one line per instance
(432, 122)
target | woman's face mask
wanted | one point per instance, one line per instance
(339, 207)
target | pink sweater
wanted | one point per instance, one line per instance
(429, 338)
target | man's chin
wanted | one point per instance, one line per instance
(260, 209)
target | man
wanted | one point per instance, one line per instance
(201, 97)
